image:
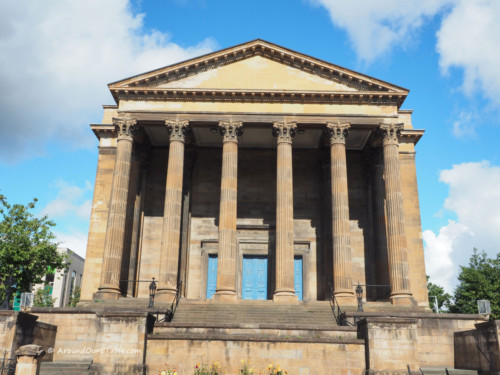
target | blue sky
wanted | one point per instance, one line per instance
(58, 56)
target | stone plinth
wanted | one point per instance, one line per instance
(28, 357)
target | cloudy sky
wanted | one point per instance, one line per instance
(57, 57)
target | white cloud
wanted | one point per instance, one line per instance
(70, 210)
(56, 60)
(375, 27)
(465, 125)
(74, 240)
(71, 201)
(474, 197)
(468, 39)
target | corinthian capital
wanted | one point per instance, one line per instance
(284, 131)
(337, 131)
(177, 130)
(230, 130)
(390, 133)
(125, 127)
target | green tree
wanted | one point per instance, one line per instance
(43, 297)
(443, 298)
(27, 248)
(74, 298)
(479, 280)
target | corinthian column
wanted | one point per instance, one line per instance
(115, 229)
(396, 233)
(170, 237)
(285, 291)
(226, 263)
(341, 232)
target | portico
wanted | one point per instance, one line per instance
(212, 172)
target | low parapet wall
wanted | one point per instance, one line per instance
(433, 334)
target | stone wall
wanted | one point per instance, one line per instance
(296, 358)
(19, 328)
(435, 337)
(115, 342)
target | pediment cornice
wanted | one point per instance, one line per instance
(146, 85)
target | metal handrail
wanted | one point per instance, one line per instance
(169, 314)
(338, 314)
(7, 365)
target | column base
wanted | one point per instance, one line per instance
(403, 300)
(346, 299)
(285, 297)
(107, 295)
(165, 296)
(225, 296)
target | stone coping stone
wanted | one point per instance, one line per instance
(416, 315)
(491, 323)
(258, 326)
(388, 319)
(433, 370)
(98, 312)
(453, 371)
(221, 336)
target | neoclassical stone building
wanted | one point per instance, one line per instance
(256, 172)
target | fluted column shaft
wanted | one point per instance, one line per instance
(115, 229)
(285, 290)
(396, 233)
(341, 232)
(226, 263)
(170, 238)
(379, 223)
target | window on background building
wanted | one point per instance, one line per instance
(72, 283)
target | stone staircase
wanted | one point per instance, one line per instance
(254, 312)
(254, 321)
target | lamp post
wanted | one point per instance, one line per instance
(359, 296)
(152, 292)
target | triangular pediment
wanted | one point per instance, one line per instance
(256, 68)
(257, 73)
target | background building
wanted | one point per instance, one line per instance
(63, 283)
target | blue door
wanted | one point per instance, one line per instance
(297, 276)
(211, 275)
(254, 277)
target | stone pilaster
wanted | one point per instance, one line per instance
(342, 263)
(285, 291)
(115, 230)
(170, 238)
(226, 263)
(396, 233)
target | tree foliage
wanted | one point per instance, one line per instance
(479, 280)
(75, 297)
(443, 298)
(27, 248)
(43, 297)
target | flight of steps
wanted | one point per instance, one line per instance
(254, 321)
(261, 312)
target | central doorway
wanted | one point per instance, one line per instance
(254, 283)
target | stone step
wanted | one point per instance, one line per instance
(66, 368)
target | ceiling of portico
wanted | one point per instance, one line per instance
(260, 136)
